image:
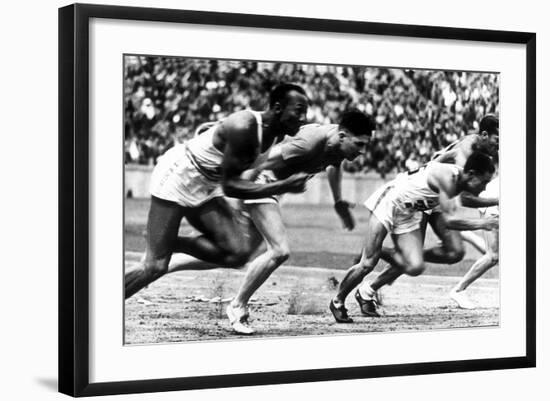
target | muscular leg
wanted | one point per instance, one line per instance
(162, 230)
(376, 232)
(234, 226)
(397, 263)
(224, 239)
(222, 242)
(268, 220)
(452, 249)
(483, 264)
(409, 246)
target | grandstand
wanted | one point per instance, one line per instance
(417, 111)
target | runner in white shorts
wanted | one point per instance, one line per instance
(488, 260)
(451, 249)
(191, 178)
(397, 208)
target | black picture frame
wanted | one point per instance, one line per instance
(74, 198)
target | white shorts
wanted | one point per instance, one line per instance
(392, 217)
(265, 177)
(176, 179)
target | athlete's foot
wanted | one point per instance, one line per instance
(368, 306)
(461, 299)
(238, 318)
(340, 313)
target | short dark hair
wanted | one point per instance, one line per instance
(279, 93)
(489, 123)
(357, 122)
(479, 163)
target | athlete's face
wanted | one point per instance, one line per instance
(476, 183)
(352, 146)
(489, 141)
(292, 115)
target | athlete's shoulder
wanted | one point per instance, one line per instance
(443, 167)
(314, 130)
(442, 176)
(241, 121)
(313, 134)
(464, 148)
(443, 171)
(239, 129)
(466, 142)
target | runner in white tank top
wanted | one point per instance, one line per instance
(451, 248)
(396, 208)
(190, 179)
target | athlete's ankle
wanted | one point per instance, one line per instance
(237, 303)
(458, 288)
(338, 300)
(366, 291)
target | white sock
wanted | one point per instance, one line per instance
(456, 288)
(337, 302)
(366, 291)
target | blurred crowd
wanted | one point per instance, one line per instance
(417, 112)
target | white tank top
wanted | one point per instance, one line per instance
(207, 158)
(412, 192)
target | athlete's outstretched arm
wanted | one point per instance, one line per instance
(470, 200)
(342, 207)
(444, 180)
(459, 224)
(454, 222)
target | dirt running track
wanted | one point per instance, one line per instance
(190, 306)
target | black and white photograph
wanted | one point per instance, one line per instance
(269, 199)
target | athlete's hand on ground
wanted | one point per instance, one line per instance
(296, 183)
(491, 223)
(343, 207)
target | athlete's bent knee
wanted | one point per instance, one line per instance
(455, 255)
(493, 257)
(156, 268)
(415, 269)
(237, 258)
(280, 254)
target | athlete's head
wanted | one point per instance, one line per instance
(488, 125)
(289, 103)
(354, 132)
(488, 131)
(478, 172)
